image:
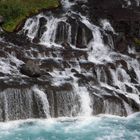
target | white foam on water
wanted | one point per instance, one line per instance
(101, 127)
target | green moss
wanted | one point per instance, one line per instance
(14, 11)
(137, 41)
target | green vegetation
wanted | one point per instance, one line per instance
(137, 41)
(14, 11)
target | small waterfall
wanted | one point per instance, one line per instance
(31, 26)
(112, 108)
(23, 103)
(49, 35)
(119, 78)
(85, 101)
(6, 117)
(44, 100)
(16, 104)
(98, 51)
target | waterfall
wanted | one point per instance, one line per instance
(85, 101)
(75, 32)
(49, 35)
(16, 104)
(43, 99)
(5, 107)
(23, 103)
(32, 26)
(81, 73)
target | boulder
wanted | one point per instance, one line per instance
(31, 69)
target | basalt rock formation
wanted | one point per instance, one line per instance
(80, 59)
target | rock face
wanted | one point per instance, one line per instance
(83, 61)
(123, 15)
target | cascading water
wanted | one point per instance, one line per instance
(63, 63)
(77, 49)
(85, 101)
(44, 101)
(77, 62)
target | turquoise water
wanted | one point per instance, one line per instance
(92, 128)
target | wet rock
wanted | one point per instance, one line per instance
(62, 32)
(114, 105)
(81, 35)
(63, 101)
(67, 55)
(132, 75)
(128, 89)
(66, 45)
(97, 104)
(121, 45)
(42, 28)
(50, 64)
(74, 71)
(31, 68)
(123, 63)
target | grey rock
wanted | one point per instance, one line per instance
(31, 68)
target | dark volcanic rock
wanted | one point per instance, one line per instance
(31, 68)
(42, 28)
(81, 34)
(62, 32)
(124, 18)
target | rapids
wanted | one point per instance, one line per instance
(103, 127)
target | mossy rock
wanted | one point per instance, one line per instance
(15, 11)
(137, 41)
